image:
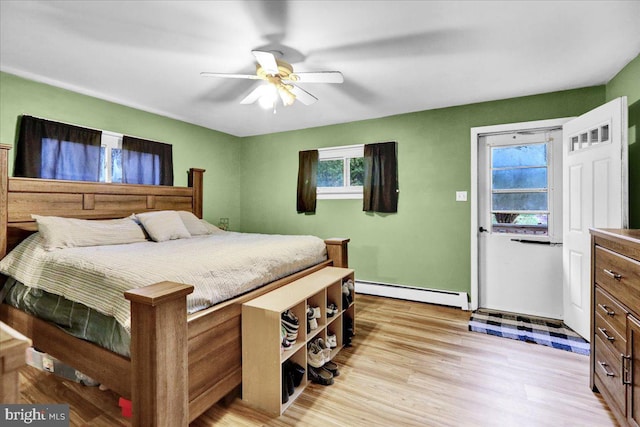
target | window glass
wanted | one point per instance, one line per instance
(519, 189)
(356, 167)
(331, 173)
(520, 178)
(519, 155)
(524, 201)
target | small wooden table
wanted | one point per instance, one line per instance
(13, 346)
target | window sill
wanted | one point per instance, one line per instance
(339, 196)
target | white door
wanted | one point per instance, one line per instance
(519, 218)
(595, 195)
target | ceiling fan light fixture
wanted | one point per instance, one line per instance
(269, 96)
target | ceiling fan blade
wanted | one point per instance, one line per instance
(318, 77)
(253, 95)
(230, 76)
(267, 61)
(303, 96)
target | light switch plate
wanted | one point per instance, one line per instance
(461, 196)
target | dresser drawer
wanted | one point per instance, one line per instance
(618, 275)
(612, 312)
(608, 367)
(609, 335)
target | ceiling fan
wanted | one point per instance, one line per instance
(281, 80)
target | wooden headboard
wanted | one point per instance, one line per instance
(21, 197)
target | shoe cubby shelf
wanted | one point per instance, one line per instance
(262, 355)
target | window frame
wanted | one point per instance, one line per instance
(344, 153)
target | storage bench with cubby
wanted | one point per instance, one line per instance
(263, 357)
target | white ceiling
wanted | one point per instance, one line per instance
(396, 56)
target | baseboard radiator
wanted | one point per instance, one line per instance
(412, 293)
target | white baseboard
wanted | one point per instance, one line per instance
(411, 293)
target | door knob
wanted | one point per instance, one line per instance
(483, 230)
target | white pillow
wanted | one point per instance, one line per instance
(59, 232)
(163, 225)
(193, 223)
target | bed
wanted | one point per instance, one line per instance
(180, 364)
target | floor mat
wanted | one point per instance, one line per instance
(519, 327)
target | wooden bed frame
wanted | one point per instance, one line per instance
(180, 364)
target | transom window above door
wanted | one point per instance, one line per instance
(520, 189)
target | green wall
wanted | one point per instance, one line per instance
(426, 244)
(627, 83)
(193, 146)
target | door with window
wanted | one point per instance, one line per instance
(520, 221)
(595, 195)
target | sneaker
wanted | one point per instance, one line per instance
(332, 310)
(346, 295)
(315, 356)
(313, 324)
(351, 286)
(332, 341)
(326, 351)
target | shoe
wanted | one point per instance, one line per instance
(298, 373)
(326, 351)
(313, 324)
(331, 367)
(347, 331)
(290, 385)
(316, 312)
(319, 376)
(332, 310)
(346, 296)
(332, 341)
(315, 356)
(285, 392)
(351, 286)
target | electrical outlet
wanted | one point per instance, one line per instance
(223, 223)
(461, 196)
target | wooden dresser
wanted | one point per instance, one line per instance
(615, 321)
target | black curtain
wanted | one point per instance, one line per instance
(146, 162)
(307, 180)
(380, 192)
(55, 150)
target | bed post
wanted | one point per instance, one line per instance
(195, 181)
(4, 196)
(159, 355)
(337, 251)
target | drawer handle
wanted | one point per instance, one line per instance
(612, 274)
(626, 369)
(606, 310)
(603, 331)
(604, 368)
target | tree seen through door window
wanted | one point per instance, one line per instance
(519, 189)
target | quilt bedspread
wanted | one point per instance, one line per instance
(220, 266)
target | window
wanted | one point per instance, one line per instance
(111, 157)
(520, 189)
(341, 172)
(56, 150)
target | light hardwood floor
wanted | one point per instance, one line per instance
(412, 364)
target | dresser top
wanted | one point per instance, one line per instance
(630, 235)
